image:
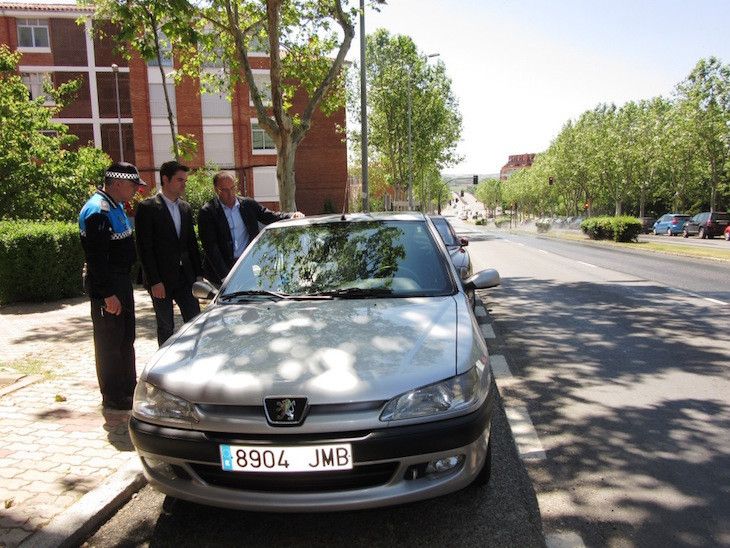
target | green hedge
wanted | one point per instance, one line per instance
(618, 229)
(39, 261)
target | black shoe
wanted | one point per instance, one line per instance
(125, 404)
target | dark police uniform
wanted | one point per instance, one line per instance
(106, 236)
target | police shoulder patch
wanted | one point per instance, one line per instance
(104, 205)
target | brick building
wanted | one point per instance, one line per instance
(55, 47)
(514, 163)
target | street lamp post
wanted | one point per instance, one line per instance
(363, 113)
(115, 70)
(410, 139)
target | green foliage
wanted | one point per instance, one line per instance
(542, 226)
(398, 72)
(618, 229)
(646, 157)
(40, 177)
(39, 261)
(199, 188)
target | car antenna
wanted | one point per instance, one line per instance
(347, 199)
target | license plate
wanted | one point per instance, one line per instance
(310, 458)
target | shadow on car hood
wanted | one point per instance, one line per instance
(329, 351)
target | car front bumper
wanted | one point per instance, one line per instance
(389, 465)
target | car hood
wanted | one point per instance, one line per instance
(329, 351)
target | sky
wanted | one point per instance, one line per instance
(521, 68)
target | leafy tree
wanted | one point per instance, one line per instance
(704, 97)
(489, 193)
(142, 24)
(307, 41)
(398, 73)
(41, 178)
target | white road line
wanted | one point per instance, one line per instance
(586, 264)
(500, 369)
(543, 252)
(520, 243)
(714, 300)
(488, 331)
(696, 296)
(566, 539)
(524, 433)
(480, 312)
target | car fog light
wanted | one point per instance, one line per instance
(444, 465)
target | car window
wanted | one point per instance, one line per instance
(446, 232)
(400, 257)
(722, 216)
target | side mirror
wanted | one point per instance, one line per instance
(483, 280)
(463, 242)
(204, 291)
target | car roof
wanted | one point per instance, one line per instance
(354, 218)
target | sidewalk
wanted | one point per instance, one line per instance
(58, 444)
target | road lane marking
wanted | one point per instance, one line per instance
(500, 369)
(524, 433)
(488, 331)
(566, 539)
(543, 252)
(586, 264)
(696, 296)
(714, 300)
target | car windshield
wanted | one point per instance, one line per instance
(445, 231)
(723, 216)
(366, 259)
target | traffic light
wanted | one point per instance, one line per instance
(475, 180)
(461, 193)
(550, 180)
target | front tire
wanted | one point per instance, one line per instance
(701, 234)
(685, 233)
(669, 232)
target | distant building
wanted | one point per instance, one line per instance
(515, 163)
(54, 47)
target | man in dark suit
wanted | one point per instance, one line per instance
(228, 223)
(168, 249)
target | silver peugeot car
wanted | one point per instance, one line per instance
(338, 367)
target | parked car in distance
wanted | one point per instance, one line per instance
(670, 224)
(339, 367)
(727, 233)
(707, 224)
(647, 224)
(455, 246)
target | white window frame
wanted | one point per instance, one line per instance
(33, 24)
(35, 82)
(269, 151)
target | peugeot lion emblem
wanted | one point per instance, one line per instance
(285, 410)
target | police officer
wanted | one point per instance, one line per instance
(106, 237)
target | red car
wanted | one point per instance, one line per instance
(727, 233)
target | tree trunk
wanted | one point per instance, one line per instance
(285, 157)
(170, 117)
(617, 211)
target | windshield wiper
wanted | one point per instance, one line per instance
(272, 294)
(357, 292)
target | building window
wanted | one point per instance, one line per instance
(265, 184)
(261, 140)
(263, 83)
(36, 82)
(165, 52)
(215, 105)
(33, 33)
(158, 106)
(218, 144)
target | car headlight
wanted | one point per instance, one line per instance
(449, 396)
(156, 404)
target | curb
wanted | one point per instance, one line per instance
(22, 382)
(73, 525)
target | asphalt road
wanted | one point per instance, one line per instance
(502, 514)
(623, 363)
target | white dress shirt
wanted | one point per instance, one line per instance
(239, 234)
(174, 209)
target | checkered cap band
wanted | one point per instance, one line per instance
(120, 175)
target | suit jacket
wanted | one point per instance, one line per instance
(166, 258)
(215, 234)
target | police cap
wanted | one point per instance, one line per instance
(124, 171)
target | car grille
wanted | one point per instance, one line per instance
(360, 477)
